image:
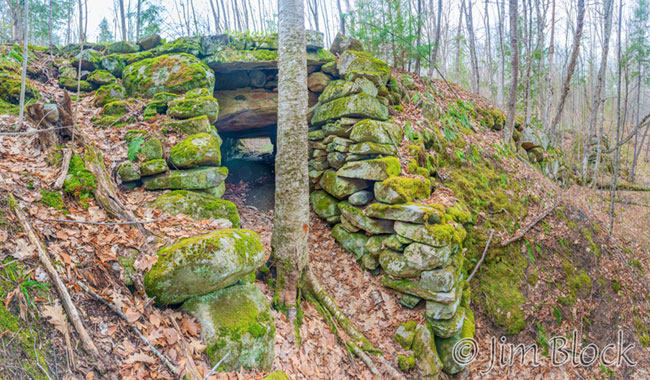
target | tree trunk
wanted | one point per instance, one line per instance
(341, 17)
(49, 29)
(549, 77)
(488, 51)
(123, 20)
(472, 46)
(572, 65)
(436, 43)
(599, 98)
(458, 39)
(419, 37)
(502, 59)
(215, 16)
(618, 122)
(631, 174)
(514, 48)
(21, 112)
(291, 215)
(137, 21)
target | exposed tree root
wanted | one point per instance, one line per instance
(67, 155)
(353, 339)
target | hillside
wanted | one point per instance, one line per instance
(427, 145)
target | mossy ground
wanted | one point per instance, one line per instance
(80, 182)
(26, 341)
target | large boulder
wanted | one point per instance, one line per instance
(379, 132)
(359, 105)
(189, 45)
(202, 264)
(196, 150)
(176, 73)
(122, 47)
(340, 88)
(435, 235)
(197, 206)
(246, 110)
(89, 59)
(194, 179)
(352, 61)
(190, 107)
(149, 42)
(394, 189)
(230, 59)
(109, 93)
(406, 212)
(323, 204)
(342, 43)
(237, 326)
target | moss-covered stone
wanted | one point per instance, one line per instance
(427, 362)
(376, 170)
(189, 45)
(197, 206)
(153, 167)
(202, 264)
(352, 242)
(10, 87)
(196, 150)
(359, 105)
(373, 148)
(351, 60)
(340, 187)
(71, 85)
(109, 93)
(407, 81)
(101, 77)
(416, 259)
(52, 199)
(114, 64)
(116, 114)
(323, 204)
(150, 41)
(435, 235)
(194, 106)
(405, 334)
(90, 60)
(236, 321)
(193, 179)
(199, 124)
(406, 363)
(407, 212)
(122, 47)
(361, 198)
(446, 328)
(445, 346)
(372, 226)
(379, 132)
(402, 189)
(438, 310)
(129, 172)
(177, 73)
(340, 88)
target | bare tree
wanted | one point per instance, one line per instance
(572, 66)
(49, 29)
(436, 42)
(618, 122)
(291, 216)
(472, 45)
(341, 17)
(123, 19)
(514, 48)
(599, 97)
(549, 75)
(23, 83)
(501, 7)
(137, 21)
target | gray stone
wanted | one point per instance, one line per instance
(406, 212)
(361, 198)
(372, 226)
(193, 179)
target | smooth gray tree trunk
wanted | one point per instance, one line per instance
(514, 48)
(21, 112)
(291, 216)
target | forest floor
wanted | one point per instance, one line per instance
(90, 253)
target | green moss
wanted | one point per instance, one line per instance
(642, 331)
(578, 282)
(277, 375)
(406, 363)
(80, 182)
(28, 346)
(595, 248)
(52, 199)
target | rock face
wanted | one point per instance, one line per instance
(202, 149)
(175, 73)
(201, 178)
(247, 110)
(197, 206)
(202, 264)
(236, 321)
(359, 105)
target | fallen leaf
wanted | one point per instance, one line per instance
(24, 250)
(139, 358)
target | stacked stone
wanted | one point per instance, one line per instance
(358, 188)
(212, 277)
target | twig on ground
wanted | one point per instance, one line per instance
(216, 366)
(67, 155)
(117, 311)
(102, 223)
(482, 257)
(44, 258)
(524, 230)
(191, 365)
